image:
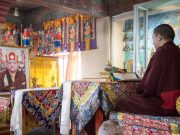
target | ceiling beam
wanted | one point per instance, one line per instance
(7, 1)
(5, 8)
(2, 19)
(6, 4)
(3, 13)
(62, 7)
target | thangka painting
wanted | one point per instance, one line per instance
(44, 72)
(73, 33)
(14, 72)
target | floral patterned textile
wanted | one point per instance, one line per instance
(4, 110)
(43, 105)
(85, 102)
(145, 124)
(87, 97)
(112, 91)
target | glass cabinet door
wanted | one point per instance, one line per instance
(140, 40)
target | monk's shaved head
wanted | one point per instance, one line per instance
(166, 31)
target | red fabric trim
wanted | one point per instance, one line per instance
(169, 99)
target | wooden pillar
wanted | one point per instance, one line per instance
(73, 128)
(98, 120)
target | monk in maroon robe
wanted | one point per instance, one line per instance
(11, 78)
(160, 86)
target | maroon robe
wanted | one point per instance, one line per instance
(160, 86)
(7, 84)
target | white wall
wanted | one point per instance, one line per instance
(117, 43)
(117, 54)
(93, 61)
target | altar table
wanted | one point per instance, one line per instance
(86, 99)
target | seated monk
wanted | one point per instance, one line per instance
(160, 87)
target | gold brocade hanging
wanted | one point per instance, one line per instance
(44, 72)
(76, 32)
(48, 25)
(71, 33)
(57, 23)
(8, 25)
(87, 32)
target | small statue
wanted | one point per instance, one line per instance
(34, 82)
(108, 66)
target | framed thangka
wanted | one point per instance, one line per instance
(44, 72)
(14, 72)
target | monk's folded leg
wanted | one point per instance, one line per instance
(139, 105)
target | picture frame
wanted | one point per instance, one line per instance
(44, 72)
(17, 77)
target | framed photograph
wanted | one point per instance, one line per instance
(14, 72)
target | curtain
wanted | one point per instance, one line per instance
(74, 66)
(70, 66)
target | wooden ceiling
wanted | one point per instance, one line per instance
(5, 5)
(96, 8)
(24, 5)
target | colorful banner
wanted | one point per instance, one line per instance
(73, 33)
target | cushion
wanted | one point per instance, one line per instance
(178, 105)
(140, 124)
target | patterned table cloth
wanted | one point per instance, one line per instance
(86, 98)
(44, 105)
(134, 124)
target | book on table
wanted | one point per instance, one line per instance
(125, 76)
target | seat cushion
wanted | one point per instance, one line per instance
(178, 105)
(134, 123)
